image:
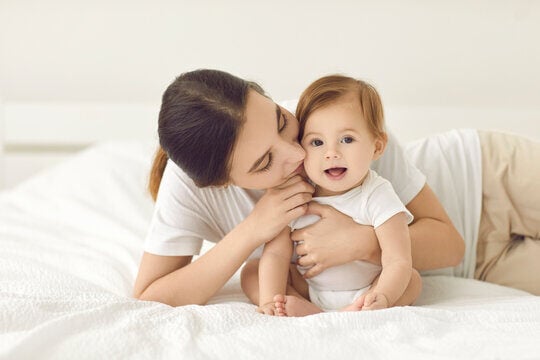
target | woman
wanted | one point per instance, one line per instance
(226, 142)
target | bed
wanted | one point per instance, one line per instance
(70, 244)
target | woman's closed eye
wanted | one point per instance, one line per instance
(282, 126)
(268, 164)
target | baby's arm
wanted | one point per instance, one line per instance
(274, 270)
(396, 258)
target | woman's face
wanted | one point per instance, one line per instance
(267, 151)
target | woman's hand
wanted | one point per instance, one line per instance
(334, 240)
(278, 207)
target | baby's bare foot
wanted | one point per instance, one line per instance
(289, 305)
(267, 309)
(279, 305)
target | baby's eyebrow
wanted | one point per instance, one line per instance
(310, 134)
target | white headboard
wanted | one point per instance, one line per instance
(35, 136)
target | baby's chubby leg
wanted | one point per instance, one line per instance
(249, 279)
(412, 292)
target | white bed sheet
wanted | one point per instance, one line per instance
(70, 244)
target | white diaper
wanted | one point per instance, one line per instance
(330, 300)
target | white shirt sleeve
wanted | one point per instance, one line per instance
(177, 227)
(383, 203)
(396, 167)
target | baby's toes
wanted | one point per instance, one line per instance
(280, 311)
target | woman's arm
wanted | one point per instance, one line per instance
(175, 280)
(435, 242)
(337, 239)
(274, 270)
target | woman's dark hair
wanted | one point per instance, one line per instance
(201, 114)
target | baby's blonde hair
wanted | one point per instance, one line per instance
(329, 89)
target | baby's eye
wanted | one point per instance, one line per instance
(316, 142)
(347, 140)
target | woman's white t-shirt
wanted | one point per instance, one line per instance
(452, 163)
(184, 214)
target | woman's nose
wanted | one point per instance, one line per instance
(293, 151)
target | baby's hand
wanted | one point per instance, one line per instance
(375, 301)
(267, 309)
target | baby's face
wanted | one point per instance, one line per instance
(339, 147)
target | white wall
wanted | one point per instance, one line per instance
(425, 53)
(443, 63)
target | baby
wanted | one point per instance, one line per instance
(342, 131)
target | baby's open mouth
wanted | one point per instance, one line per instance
(335, 173)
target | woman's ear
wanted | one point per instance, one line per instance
(380, 145)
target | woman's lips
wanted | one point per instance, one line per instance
(336, 173)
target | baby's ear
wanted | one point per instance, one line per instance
(380, 145)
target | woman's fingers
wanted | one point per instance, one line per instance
(297, 188)
(313, 271)
(297, 200)
(281, 205)
(293, 180)
(300, 249)
(305, 260)
(296, 212)
(298, 234)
